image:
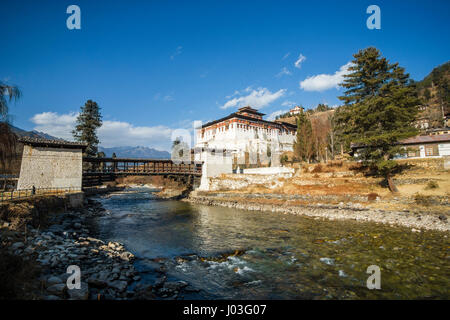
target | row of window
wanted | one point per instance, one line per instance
(244, 127)
(431, 150)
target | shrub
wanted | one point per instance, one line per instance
(422, 199)
(317, 168)
(432, 185)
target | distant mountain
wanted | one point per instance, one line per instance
(135, 152)
(32, 134)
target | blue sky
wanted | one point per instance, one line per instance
(154, 66)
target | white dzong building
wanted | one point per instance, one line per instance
(249, 138)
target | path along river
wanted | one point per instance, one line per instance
(279, 256)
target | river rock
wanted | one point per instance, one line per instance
(159, 282)
(118, 285)
(79, 294)
(53, 280)
(175, 285)
(127, 256)
(97, 283)
(17, 245)
(57, 289)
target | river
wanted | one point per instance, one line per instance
(235, 254)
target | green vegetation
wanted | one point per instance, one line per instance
(322, 107)
(304, 148)
(88, 121)
(434, 91)
(380, 107)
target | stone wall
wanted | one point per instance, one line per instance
(270, 171)
(429, 163)
(50, 168)
(239, 181)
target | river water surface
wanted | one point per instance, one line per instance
(234, 254)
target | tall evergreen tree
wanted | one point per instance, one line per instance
(304, 145)
(381, 104)
(88, 121)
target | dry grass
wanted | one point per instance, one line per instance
(372, 196)
(432, 185)
(423, 200)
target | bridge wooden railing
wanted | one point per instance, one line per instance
(29, 193)
(125, 166)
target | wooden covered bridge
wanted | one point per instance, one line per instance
(99, 170)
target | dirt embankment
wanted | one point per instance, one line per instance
(344, 190)
(168, 187)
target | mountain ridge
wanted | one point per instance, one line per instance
(121, 152)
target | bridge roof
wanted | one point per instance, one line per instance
(41, 142)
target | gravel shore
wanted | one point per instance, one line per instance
(107, 268)
(356, 212)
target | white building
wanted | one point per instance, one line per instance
(296, 110)
(250, 139)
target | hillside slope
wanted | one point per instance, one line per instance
(434, 91)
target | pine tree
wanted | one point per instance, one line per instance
(322, 107)
(380, 107)
(304, 145)
(88, 121)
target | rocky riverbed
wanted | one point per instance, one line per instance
(342, 211)
(107, 268)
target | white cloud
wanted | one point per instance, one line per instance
(288, 103)
(111, 133)
(177, 52)
(286, 56)
(323, 82)
(258, 98)
(283, 72)
(60, 126)
(274, 114)
(298, 63)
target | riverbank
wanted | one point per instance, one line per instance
(65, 240)
(36, 255)
(415, 219)
(342, 190)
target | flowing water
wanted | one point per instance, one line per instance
(235, 254)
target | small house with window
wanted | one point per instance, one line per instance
(431, 146)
